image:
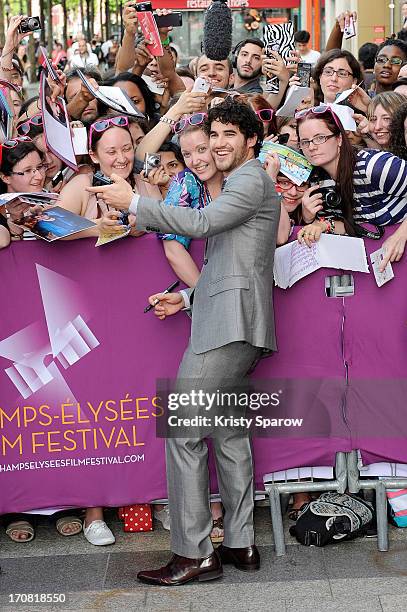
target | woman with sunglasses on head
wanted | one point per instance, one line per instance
(188, 103)
(266, 114)
(111, 150)
(371, 184)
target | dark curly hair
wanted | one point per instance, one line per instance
(397, 142)
(239, 115)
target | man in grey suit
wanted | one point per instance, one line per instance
(232, 325)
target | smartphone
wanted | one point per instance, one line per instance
(173, 20)
(149, 28)
(304, 73)
(349, 29)
(201, 85)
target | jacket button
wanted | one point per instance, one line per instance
(205, 262)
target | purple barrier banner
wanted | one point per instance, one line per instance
(79, 364)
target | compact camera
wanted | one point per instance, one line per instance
(30, 24)
(99, 179)
(150, 163)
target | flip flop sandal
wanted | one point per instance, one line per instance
(72, 521)
(24, 527)
(217, 533)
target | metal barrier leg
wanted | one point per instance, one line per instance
(341, 472)
(277, 520)
(381, 514)
(353, 472)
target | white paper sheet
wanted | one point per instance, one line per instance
(295, 96)
(294, 261)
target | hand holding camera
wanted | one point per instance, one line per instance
(312, 203)
(17, 31)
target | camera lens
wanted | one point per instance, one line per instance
(332, 198)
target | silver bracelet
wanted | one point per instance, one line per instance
(168, 120)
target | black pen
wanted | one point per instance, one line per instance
(168, 290)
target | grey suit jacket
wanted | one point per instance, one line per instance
(232, 300)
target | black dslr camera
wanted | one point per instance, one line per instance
(331, 199)
(30, 24)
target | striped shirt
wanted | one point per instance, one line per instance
(380, 188)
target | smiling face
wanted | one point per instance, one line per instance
(386, 73)
(333, 84)
(114, 152)
(29, 182)
(379, 125)
(217, 72)
(134, 93)
(229, 146)
(291, 194)
(197, 154)
(324, 154)
(249, 62)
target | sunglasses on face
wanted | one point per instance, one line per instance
(195, 119)
(24, 128)
(265, 114)
(394, 61)
(104, 124)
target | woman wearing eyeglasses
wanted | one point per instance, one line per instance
(371, 184)
(111, 150)
(335, 71)
(22, 170)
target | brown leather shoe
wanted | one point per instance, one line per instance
(246, 559)
(181, 570)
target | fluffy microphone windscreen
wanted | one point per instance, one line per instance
(217, 40)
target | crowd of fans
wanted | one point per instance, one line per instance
(365, 167)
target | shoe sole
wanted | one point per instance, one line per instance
(200, 578)
(243, 568)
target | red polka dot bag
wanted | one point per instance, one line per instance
(136, 518)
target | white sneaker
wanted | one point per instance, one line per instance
(164, 517)
(98, 534)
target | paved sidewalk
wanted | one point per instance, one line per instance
(348, 577)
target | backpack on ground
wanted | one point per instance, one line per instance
(333, 517)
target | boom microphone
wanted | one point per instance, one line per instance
(217, 39)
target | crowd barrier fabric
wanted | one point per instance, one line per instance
(79, 361)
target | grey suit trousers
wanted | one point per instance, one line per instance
(187, 461)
